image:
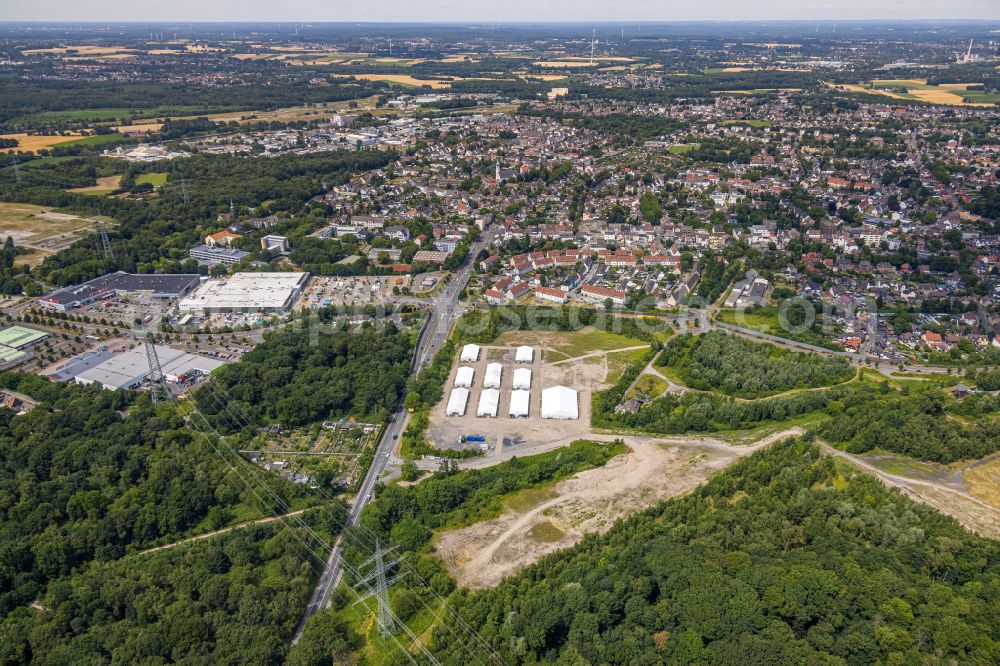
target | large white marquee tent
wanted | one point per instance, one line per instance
(489, 401)
(519, 404)
(560, 402)
(457, 401)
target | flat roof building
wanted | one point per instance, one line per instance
(494, 371)
(156, 285)
(519, 404)
(489, 402)
(247, 292)
(457, 402)
(464, 377)
(21, 337)
(85, 361)
(206, 254)
(131, 368)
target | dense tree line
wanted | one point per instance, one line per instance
(231, 599)
(915, 423)
(155, 235)
(92, 475)
(785, 558)
(302, 374)
(721, 362)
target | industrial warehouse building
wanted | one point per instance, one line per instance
(494, 372)
(156, 285)
(524, 355)
(247, 292)
(560, 402)
(457, 402)
(130, 369)
(470, 354)
(489, 402)
(464, 377)
(522, 378)
(519, 404)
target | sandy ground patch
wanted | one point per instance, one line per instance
(104, 184)
(539, 522)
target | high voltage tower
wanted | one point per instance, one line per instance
(105, 243)
(378, 583)
(159, 391)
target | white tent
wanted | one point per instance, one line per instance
(524, 355)
(560, 402)
(493, 373)
(519, 401)
(522, 378)
(457, 401)
(470, 353)
(489, 401)
(463, 378)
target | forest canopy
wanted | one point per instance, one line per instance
(731, 365)
(787, 557)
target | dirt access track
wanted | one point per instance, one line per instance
(541, 521)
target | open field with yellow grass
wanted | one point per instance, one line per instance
(948, 94)
(407, 80)
(104, 185)
(41, 229)
(36, 142)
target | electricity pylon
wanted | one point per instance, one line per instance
(378, 584)
(105, 243)
(158, 391)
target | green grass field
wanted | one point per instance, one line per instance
(157, 179)
(95, 140)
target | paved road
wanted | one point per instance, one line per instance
(445, 309)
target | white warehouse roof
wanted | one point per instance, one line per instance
(470, 353)
(560, 402)
(494, 371)
(524, 354)
(519, 401)
(131, 368)
(522, 378)
(463, 378)
(457, 401)
(489, 401)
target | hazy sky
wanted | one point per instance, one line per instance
(492, 10)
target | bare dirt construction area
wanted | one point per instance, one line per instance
(540, 521)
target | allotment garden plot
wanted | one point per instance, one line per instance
(328, 454)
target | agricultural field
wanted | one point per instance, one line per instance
(41, 229)
(409, 81)
(952, 94)
(35, 142)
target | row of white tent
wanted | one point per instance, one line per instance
(558, 402)
(494, 372)
(523, 354)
